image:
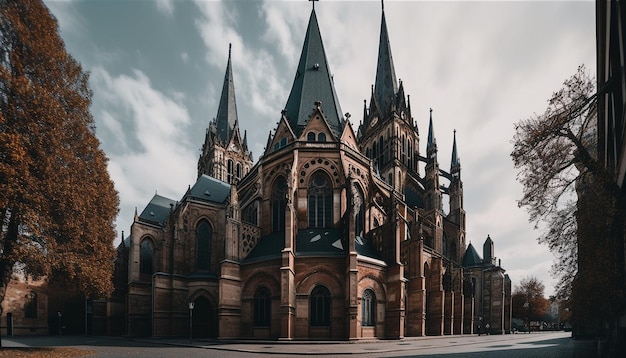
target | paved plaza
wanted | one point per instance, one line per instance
(547, 344)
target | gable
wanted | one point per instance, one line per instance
(317, 128)
(282, 137)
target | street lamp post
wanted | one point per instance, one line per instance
(191, 304)
(59, 321)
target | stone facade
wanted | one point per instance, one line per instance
(332, 234)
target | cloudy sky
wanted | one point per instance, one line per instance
(157, 68)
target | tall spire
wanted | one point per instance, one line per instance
(455, 163)
(227, 110)
(432, 142)
(386, 85)
(313, 83)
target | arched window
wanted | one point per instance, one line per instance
(278, 202)
(381, 148)
(251, 213)
(30, 306)
(146, 257)
(310, 137)
(230, 170)
(320, 306)
(320, 195)
(262, 307)
(359, 220)
(238, 171)
(204, 233)
(368, 308)
(321, 137)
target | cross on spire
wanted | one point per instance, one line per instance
(313, 1)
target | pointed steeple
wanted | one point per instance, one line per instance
(245, 140)
(313, 82)
(386, 85)
(431, 145)
(227, 111)
(455, 163)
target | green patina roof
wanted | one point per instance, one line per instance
(364, 248)
(309, 242)
(313, 83)
(210, 189)
(319, 242)
(268, 247)
(471, 258)
(157, 210)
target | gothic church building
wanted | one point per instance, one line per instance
(332, 234)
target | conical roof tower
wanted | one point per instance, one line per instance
(227, 110)
(313, 83)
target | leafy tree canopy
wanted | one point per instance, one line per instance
(57, 201)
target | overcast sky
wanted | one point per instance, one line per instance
(157, 69)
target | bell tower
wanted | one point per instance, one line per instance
(225, 155)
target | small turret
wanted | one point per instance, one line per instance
(488, 257)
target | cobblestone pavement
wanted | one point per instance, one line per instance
(547, 344)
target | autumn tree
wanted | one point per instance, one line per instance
(57, 201)
(531, 291)
(569, 193)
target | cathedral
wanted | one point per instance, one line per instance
(334, 233)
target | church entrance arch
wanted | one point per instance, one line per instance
(204, 320)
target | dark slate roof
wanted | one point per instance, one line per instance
(210, 189)
(157, 210)
(386, 85)
(313, 82)
(365, 248)
(412, 198)
(268, 247)
(471, 258)
(227, 109)
(319, 242)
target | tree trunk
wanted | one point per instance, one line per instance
(6, 260)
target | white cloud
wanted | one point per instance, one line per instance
(165, 6)
(149, 151)
(185, 57)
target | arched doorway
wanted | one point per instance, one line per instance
(204, 319)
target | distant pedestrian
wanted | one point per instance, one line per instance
(487, 326)
(479, 330)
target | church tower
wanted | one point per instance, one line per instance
(225, 155)
(433, 191)
(457, 213)
(387, 134)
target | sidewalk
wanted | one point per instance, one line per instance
(286, 348)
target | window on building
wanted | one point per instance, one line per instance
(146, 257)
(251, 213)
(262, 307)
(359, 221)
(320, 306)
(320, 194)
(278, 203)
(310, 137)
(204, 234)
(229, 167)
(321, 137)
(238, 171)
(30, 306)
(368, 308)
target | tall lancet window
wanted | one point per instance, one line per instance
(368, 308)
(358, 203)
(204, 235)
(320, 195)
(278, 203)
